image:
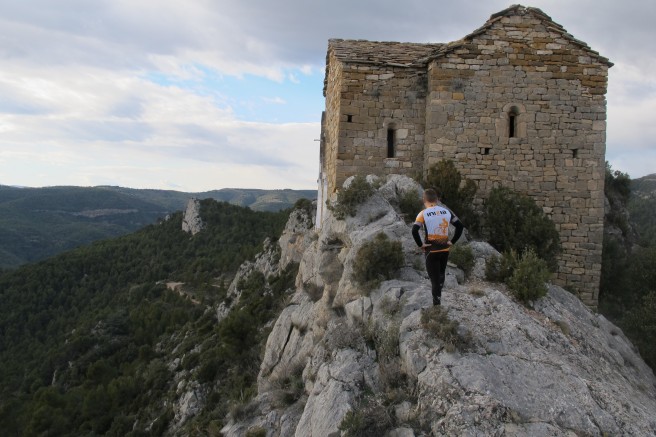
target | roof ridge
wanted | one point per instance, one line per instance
(331, 40)
(556, 27)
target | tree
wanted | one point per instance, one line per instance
(457, 193)
(515, 221)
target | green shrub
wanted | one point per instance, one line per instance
(528, 280)
(617, 183)
(500, 268)
(640, 326)
(190, 360)
(304, 205)
(436, 322)
(462, 256)
(457, 194)
(377, 260)
(349, 198)
(410, 205)
(515, 221)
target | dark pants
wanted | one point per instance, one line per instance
(436, 268)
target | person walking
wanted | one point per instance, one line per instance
(435, 220)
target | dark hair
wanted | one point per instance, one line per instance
(431, 195)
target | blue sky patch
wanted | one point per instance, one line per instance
(298, 98)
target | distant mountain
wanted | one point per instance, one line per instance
(36, 223)
(644, 186)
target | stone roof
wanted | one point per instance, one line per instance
(380, 52)
(404, 54)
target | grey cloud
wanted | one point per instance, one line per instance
(105, 130)
(18, 105)
(287, 32)
(209, 145)
(81, 35)
(131, 107)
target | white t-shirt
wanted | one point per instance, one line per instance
(435, 221)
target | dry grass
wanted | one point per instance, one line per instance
(289, 385)
(477, 292)
(564, 327)
(390, 306)
(437, 323)
(256, 431)
(243, 410)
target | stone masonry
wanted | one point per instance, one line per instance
(519, 103)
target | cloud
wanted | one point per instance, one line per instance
(262, 37)
(126, 90)
(109, 125)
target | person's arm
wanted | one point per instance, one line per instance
(459, 228)
(415, 234)
(419, 222)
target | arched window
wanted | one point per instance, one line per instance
(391, 143)
(512, 122)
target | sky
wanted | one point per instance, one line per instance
(197, 95)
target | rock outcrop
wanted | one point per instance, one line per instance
(557, 369)
(191, 221)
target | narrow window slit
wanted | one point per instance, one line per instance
(512, 121)
(391, 143)
(349, 118)
(575, 153)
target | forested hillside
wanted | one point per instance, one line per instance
(627, 294)
(36, 223)
(642, 206)
(85, 336)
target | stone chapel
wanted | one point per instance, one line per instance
(519, 103)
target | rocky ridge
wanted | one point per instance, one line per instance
(191, 220)
(557, 369)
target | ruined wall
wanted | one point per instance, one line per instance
(374, 99)
(556, 91)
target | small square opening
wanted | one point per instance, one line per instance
(575, 153)
(349, 118)
(486, 150)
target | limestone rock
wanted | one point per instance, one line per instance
(188, 405)
(556, 370)
(396, 186)
(295, 238)
(482, 252)
(191, 221)
(401, 432)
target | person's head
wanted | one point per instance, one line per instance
(431, 196)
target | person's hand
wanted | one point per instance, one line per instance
(424, 247)
(448, 243)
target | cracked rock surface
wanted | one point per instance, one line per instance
(557, 369)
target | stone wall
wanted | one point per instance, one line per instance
(331, 122)
(373, 100)
(555, 89)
